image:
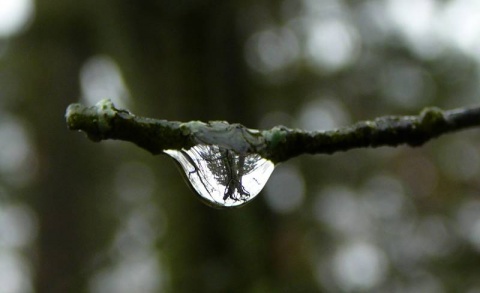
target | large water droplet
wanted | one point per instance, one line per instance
(220, 176)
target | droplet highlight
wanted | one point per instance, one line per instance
(220, 176)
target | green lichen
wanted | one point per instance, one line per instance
(275, 149)
(432, 117)
(275, 136)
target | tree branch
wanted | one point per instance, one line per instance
(104, 121)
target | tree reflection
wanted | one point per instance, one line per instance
(227, 168)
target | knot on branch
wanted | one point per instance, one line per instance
(432, 122)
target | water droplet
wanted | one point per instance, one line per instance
(222, 177)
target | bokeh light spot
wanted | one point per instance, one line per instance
(406, 85)
(16, 159)
(339, 208)
(18, 226)
(100, 78)
(14, 15)
(323, 114)
(359, 266)
(272, 50)
(332, 44)
(15, 273)
(285, 190)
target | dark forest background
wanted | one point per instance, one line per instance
(77, 216)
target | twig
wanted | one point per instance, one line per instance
(104, 121)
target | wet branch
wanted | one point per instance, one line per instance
(104, 121)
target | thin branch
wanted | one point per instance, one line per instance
(104, 121)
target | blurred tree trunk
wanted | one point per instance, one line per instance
(71, 229)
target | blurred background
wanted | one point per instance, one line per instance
(78, 216)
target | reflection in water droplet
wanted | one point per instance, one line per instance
(220, 176)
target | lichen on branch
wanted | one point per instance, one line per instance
(104, 121)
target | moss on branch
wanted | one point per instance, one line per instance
(104, 121)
